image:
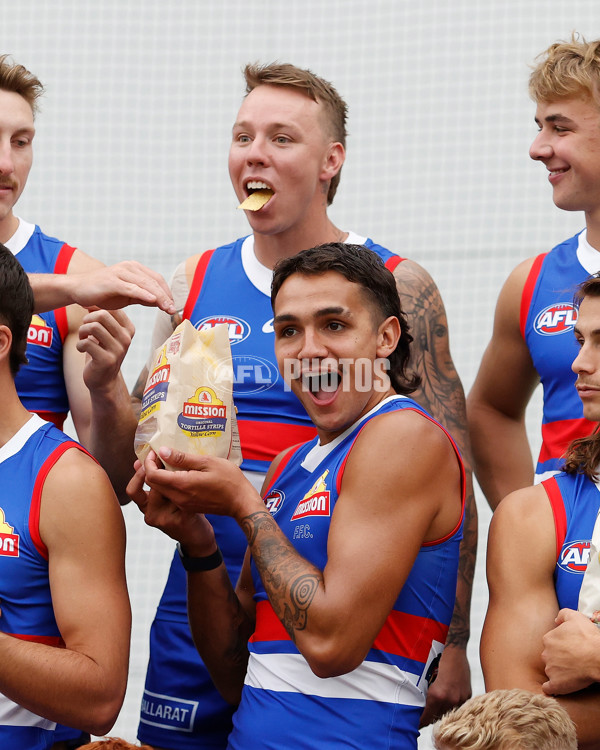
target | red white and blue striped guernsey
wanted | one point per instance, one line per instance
(27, 612)
(41, 384)
(547, 319)
(378, 705)
(231, 286)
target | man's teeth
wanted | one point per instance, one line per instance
(257, 185)
(327, 381)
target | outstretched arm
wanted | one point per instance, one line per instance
(441, 393)
(83, 684)
(497, 403)
(109, 287)
(523, 605)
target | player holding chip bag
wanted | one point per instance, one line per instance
(286, 154)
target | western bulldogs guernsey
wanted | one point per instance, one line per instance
(40, 384)
(27, 611)
(575, 501)
(547, 320)
(377, 705)
(180, 707)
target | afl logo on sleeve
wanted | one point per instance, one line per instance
(555, 319)
(238, 329)
(39, 333)
(9, 541)
(574, 556)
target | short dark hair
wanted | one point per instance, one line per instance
(16, 305)
(364, 267)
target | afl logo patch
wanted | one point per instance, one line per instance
(238, 329)
(556, 319)
(574, 556)
(274, 501)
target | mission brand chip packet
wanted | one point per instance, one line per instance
(188, 398)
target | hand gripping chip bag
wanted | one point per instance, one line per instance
(188, 398)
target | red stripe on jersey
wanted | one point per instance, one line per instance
(528, 289)
(402, 634)
(556, 436)
(57, 418)
(394, 261)
(36, 497)
(281, 466)
(197, 282)
(63, 259)
(262, 441)
(61, 266)
(558, 511)
(48, 640)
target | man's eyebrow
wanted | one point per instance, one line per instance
(333, 310)
(557, 118)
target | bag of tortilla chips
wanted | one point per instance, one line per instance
(188, 398)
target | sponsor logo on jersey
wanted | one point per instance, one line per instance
(274, 501)
(238, 329)
(39, 333)
(316, 502)
(574, 556)
(203, 415)
(9, 541)
(268, 326)
(555, 319)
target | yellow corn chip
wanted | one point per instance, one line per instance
(256, 200)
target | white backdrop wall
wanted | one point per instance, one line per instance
(131, 156)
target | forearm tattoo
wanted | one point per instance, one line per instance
(290, 581)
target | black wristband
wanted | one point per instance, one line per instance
(196, 564)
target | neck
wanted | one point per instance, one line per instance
(8, 226)
(271, 248)
(592, 223)
(13, 414)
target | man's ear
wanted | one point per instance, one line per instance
(334, 160)
(5, 342)
(388, 335)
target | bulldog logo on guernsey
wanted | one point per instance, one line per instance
(203, 414)
(574, 556)
(315, 502)
(237, 328)
(9, 541)
(39, 332)
(555, 319)
(274, 501)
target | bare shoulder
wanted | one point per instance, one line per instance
(509, 299)
(78, 489)
(191, 264)
(412, 278)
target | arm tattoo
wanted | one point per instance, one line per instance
(290, 581)
(441, 393)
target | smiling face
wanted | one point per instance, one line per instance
(568, 144)
(331, 349)
(587, 363)
(16, 156)
(281, 143)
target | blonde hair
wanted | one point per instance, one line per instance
(311, 85)
(507, 720)
(567, 69)
(19, 80)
